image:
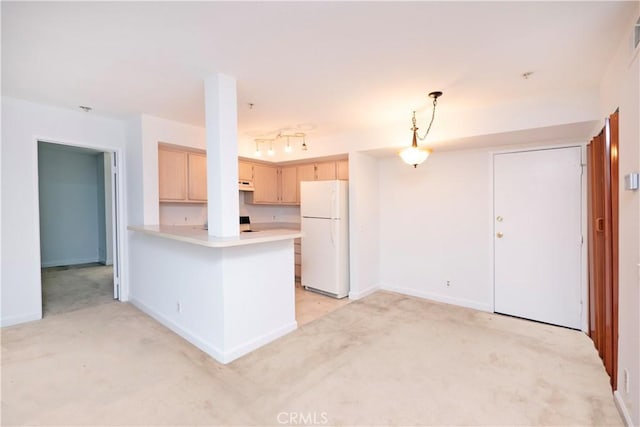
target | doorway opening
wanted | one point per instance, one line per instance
(78, 227)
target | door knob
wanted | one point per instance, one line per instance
(499, 218)
(499, 234)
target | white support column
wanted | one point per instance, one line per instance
(221, 118)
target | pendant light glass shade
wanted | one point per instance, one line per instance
(414, 155)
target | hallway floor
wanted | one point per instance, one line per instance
(70, 288)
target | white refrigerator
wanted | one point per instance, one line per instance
(325, 242)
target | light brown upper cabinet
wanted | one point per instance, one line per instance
(325, 171)
(182, 174)
(172, 171)
(289, 185)
(265, 184)
(342, 169)
(274, 185)
(197, 183)
(245, 171)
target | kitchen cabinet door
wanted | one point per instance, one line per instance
(245, 171)
(266, 184)
(306, 172)
(197, 183)
(172, 175)
(325, 171)
(342, 168)
(288, 185)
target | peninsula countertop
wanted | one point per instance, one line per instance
(197, 235)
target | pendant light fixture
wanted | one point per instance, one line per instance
(414, 155)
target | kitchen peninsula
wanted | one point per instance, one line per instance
(226, 295)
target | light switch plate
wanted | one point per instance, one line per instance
(632, 181)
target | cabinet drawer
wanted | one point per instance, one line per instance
(298, 270)
(298, 258)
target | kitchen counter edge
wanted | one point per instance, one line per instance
(197, 236)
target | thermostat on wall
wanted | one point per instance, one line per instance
(632, 181)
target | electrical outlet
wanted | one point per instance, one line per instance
(625, 377)
(179, 307)
(448, 283)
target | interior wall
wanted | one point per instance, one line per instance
(23, 124)
(70, 215)
(436, 226)
(621, 89)
(364, 224)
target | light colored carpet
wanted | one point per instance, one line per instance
(385, 360)
(71, 288)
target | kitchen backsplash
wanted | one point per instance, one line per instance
(269, 213)
(185, 214)
(182, 214)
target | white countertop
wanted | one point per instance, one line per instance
(197, 235)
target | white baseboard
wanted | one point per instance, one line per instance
(249, 346)
(220, 355)
(211, 350)
(23, 318)
(70, 261)
(361, 294)
(622, 408)
(440, 298)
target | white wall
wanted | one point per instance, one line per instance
(23, 123)
(364, 224)
(108, 207)
(72, 218)
(621, 88)
(435, 225)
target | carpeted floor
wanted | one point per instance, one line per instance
(385, 360)
(71, 288)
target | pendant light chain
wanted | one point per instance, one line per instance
(433, 115)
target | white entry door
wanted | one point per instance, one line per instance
(538, 235)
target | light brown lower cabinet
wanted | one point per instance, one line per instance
(298, 258)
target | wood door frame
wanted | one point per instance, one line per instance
(118, 209)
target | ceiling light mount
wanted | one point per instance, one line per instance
(415, 155)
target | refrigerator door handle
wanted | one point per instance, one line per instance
(331, 233)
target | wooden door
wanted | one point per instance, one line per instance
(538, 235)
(603, 244)
(266, 184)
(197, 182)
(288, 185)
(342, 167)
(172, 174)
(325, 171)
